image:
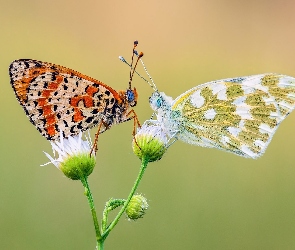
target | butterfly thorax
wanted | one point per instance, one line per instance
(128, 99)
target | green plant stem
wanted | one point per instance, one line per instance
(144, 163)
(110, 205)
(93, 212)
(104, 219)
(100, 245)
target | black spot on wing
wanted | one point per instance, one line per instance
(236, 80)
(56, 127)
(26, 64)
(73, 129)
(94, 111)
(43, 120)
(53, 76)
(89, 119)
(38, 64)
(79, 126)
(65, 123)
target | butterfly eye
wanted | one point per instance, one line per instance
(130, 95)
(156, 101)
(159, 102)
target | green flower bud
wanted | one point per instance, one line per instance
(136, 207)
(77, 166)
(149, 143)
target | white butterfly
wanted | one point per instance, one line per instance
(238, 115)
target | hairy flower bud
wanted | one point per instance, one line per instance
(149, 143)
(77, 166)
(136, 207)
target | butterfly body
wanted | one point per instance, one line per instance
(238, 115)
(56, 99)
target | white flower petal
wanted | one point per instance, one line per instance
(65, 148)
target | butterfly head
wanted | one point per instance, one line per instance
(160, 101)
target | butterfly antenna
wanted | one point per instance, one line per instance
(134, 52)
(138, 57)
(153, 85)
(132, 69)
(124, 61)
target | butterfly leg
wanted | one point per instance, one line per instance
(94, 147)
(135, 123)
(135, 120)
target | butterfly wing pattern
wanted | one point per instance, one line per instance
(238, 115)
(56, 99)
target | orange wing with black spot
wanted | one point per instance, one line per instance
(56, 99)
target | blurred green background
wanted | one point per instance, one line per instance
(199, 198)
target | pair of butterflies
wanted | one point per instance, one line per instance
(238, 115)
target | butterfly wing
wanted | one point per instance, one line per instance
(238, 115)
(57, 98)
